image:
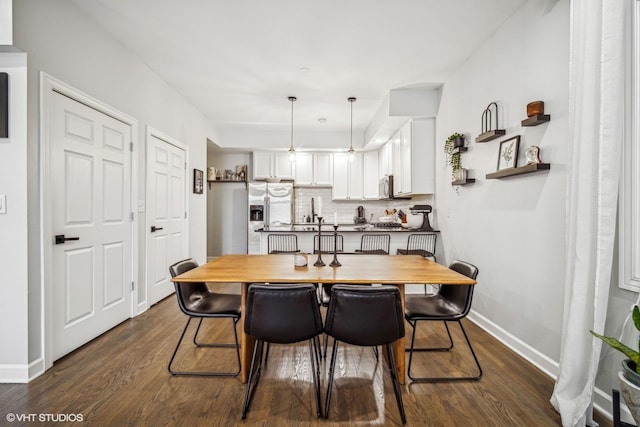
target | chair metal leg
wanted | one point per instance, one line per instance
(414, 325)
(393, 370)
(200, 373)
(442, 379)
(327, 400)
(254, 375)
(315, 373)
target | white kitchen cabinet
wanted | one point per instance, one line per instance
(414, 158)
(313, 169)
(272, 164)
(385, 160)
(370, 175)
(347, 177)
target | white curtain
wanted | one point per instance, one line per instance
(596, 96)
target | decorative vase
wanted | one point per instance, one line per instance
(631, 395)
(629, 372)
(458, 142)
(534, 108)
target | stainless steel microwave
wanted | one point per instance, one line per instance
(386, 188)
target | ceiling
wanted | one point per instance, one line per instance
(237, 61)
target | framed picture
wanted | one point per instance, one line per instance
(198, 181)
(508, 154)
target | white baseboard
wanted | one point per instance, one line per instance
(21, 373)
(601, 401)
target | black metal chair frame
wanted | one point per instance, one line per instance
(282, 243)
(257, 359)
(461, 267)
(423, 244)
(374, 244)
(339, 291)
(179, 268)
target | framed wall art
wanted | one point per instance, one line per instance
(198, 181)
(508, 154)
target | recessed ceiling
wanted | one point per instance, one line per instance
(238, 61)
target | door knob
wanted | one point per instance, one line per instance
(154, 228)
(60, 238)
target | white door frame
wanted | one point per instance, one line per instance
(49, 85)
(152, 132)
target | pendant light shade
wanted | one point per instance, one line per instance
(292, 151)
(351, 150)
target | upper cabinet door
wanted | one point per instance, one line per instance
(323, 169)
(370, 175)
(283, 166)
(261, 165)
(340, 189)
(304, 169)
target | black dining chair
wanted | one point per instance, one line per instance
(282, 314)
(279, 243)
(374, 244)
(423, 244)
(365, 316)
(451, 304)
(198, 302)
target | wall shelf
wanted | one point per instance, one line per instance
(459, 150)
(489, 135)
(532, 167)
(463, 181)
(225, 181)
(536, 120)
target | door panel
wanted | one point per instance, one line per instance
(91, 164)
(167, 241)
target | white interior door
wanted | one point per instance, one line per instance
(167, 237)
(90, 195)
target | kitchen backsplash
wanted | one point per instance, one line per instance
(345, 209)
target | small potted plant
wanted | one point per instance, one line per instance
(451, 145)
(630, 368)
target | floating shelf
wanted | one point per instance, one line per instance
(489, 135)
(225, 181)
(536, 120)
(463, 181)
(459, 150)
(532, 167)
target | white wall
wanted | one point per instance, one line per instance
(512, 229)
(60, 41)
(14, 303)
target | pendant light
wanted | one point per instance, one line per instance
(292, 151)
(351, 151)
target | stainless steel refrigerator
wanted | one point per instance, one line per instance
(270, 204)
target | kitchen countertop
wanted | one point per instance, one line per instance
(313, 228)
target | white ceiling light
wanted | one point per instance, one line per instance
(292, 151)
(350, 151)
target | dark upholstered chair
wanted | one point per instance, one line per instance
(451, 304)
(278, 243)
(198, 302)
(374, 244)
(365, 316)
(282, 314)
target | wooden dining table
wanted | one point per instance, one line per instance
(355, 269)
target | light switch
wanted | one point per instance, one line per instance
(3, 203)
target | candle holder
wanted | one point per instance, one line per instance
(335, 262)
(319, 262)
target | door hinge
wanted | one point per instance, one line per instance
(185, 165)
(185, 214)
(131, 147)
(131, 216)
(133, 286)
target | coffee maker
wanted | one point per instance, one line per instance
(359, 218)
(425, 210)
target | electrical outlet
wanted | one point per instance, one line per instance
(3, 203)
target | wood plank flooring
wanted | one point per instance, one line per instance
(121, 379)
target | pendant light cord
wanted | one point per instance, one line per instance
(351, 100)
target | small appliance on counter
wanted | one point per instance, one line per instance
(425, 210)
(359, 218)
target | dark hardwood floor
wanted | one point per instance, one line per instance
(121, 379)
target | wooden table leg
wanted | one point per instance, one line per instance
(398, 346)
(246, 341)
